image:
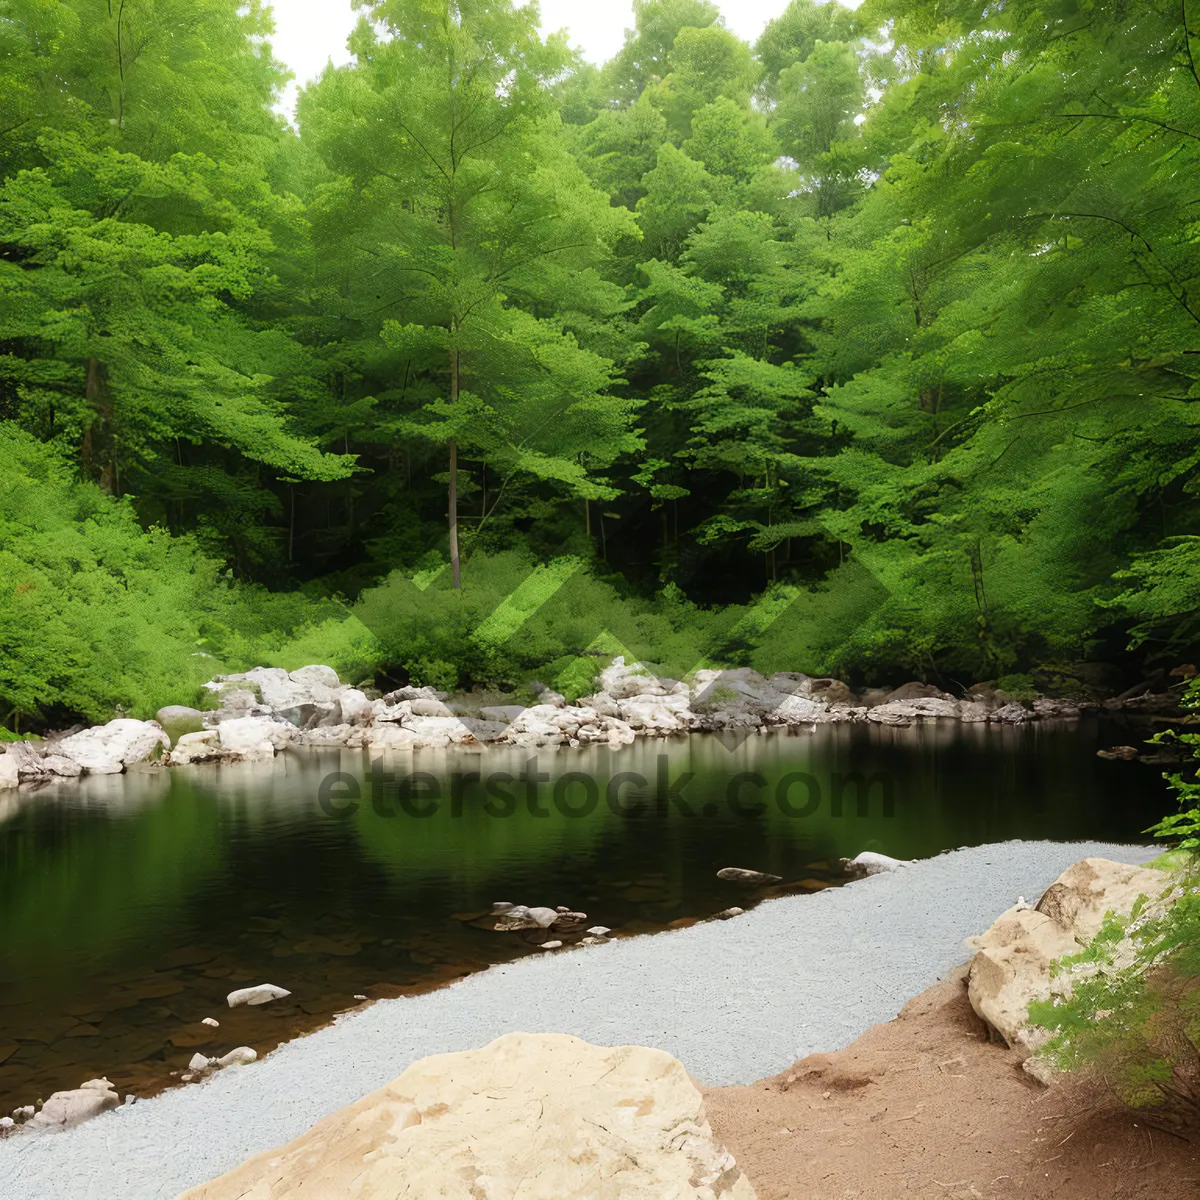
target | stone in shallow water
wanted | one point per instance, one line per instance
(547, 1114)
(259, 994)
(741, 875)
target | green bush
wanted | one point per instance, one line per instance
(1133, 1012)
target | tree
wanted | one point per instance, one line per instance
(460, 207)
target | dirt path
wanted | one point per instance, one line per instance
(925, 1106)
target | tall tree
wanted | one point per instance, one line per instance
(474, 239)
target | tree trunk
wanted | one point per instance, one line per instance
(455, 565)
(96, 450)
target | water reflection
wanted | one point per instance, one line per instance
(133, 903)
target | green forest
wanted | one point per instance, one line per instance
(869, 349)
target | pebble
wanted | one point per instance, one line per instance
(551, 945)
(726, 913)
(211, 1021)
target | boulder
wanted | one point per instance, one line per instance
(830, 691)
(60, 765)
(178, 719)
(261, 993)
(316, 675)
(904, 712)
(741, 875)
(196, 747)
(253, 739)
(539, 1116)
(109, 749)
(10, 775)
(620, 681)
(1011, 714)
(64, 1110)
(1012, 960)
(355, 707)
(871, 863)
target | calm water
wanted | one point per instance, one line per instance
(132, 904)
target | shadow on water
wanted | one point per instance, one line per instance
(132, 904)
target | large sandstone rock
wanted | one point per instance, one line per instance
(1012, 961)
(109, 749)
(535, 1116)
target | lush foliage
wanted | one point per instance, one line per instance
(868, 348)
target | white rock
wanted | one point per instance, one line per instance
(390, 737)
(66, 1109)
(9, 774)
(320, 675)
(539, 1116)
(109, 749)
(200, 1062)
(212, 1021)
(726, 913)
(870, 863)
(24, 1112)
(261, 993)
(598, 931)
(239, 1057)
(254, 739)
(6, 1122)
(550, 945)
(356, 709)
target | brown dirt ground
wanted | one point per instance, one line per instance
(926, 1106)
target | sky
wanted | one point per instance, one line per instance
(310, 32)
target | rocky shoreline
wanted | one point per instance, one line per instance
(267, 710)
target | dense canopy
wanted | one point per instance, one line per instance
(871, 348)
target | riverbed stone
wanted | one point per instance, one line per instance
(109, 749)
(542, 1116)
(10, 774)
(260, 993)
(65, 1110)
(742, 875)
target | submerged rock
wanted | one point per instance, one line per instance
(542, 1116)
(741, 875)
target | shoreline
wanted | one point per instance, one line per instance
(793, 976)
(267, 711)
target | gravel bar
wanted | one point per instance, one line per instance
(734, 1000)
